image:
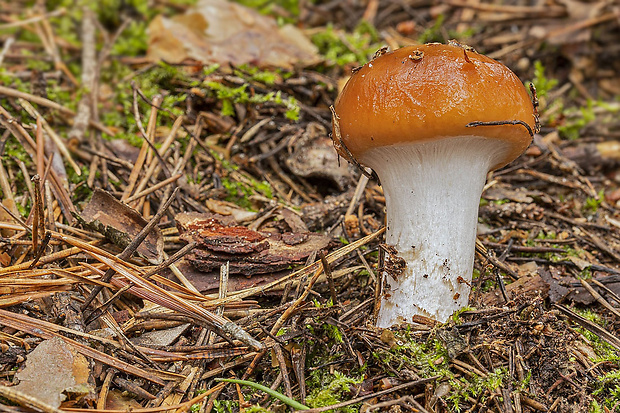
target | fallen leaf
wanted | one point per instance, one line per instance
(118, 400)
(523, 287)
(293, 220)
(557, 291)
(160, 337)
(581, 264)
(498, 193)
(228, 208)
(218, 31)
(55, 371)
(122, 149)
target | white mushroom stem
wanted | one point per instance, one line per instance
(432, 192)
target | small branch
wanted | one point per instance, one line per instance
(89, 70)
(502, 123)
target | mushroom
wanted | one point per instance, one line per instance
(431, 120)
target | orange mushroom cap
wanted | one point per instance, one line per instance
(433, 91)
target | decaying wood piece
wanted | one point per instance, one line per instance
(248, 252)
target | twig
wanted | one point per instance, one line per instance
(39, 252)
(153, 292)
(34, 19)
(491, 258)
(17, 218)
(599, 298)
(330, 279)
(172, 259)
(5, 48)
(153, 188)
(46, 330)
(38, 221)
(89, 70)
(289, 311)
(332, 257)
(587, 324)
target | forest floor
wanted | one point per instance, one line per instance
(174, 213)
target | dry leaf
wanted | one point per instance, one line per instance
(523, 287)
(55, 371)
(217, 31)
(160, 337)
(118, 400)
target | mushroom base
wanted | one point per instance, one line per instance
(432, 192)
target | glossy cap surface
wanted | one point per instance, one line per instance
(432, 91)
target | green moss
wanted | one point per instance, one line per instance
(593, 203)
(60, 93)
(456, 317)
(163, 76)
(595, 407)
(160, 79)
(256, 409)
(525, 383)
(240, 192)
(40, 65)
(541, 82)
(7, 78)
(577, 119)
(267, 77)
(13, 149)
(226, 406)
(428, 358)
(229, 96)
(608, 389)
(476, 387)
(333, 332)
(433, 33)
(605, 351)
(209, 70)
(328, 389)
(268, 6)
(134, 41)
(340, 48)
(80, 191)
